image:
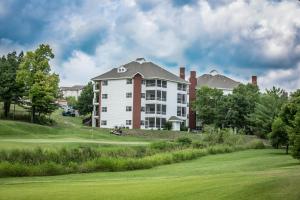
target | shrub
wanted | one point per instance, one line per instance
(184, 141)
(163, 145)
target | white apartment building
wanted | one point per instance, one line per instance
(73, 91)
(140, 94)
(218, 81)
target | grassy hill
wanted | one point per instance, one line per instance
(70, 131)
(251, 174)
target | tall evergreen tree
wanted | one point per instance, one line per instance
(10, 89)
(85, 100)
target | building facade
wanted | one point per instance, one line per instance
(140, 94)
(73, 91)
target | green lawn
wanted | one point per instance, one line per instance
(252, 174)
(69, 131)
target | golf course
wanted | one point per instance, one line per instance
(240, 174)
(250, 174)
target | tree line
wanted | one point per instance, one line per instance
(272, 114)
(27, 80)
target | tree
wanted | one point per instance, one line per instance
(266, 110)
(279, 134)
(41, 86)
(206, 104)
(290, 115)
(72, 102)
(10, 90)
(85, 100)
(234, 109)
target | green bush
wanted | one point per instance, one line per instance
(184, 141)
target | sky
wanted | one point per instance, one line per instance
(238, 38)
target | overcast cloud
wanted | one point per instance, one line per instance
(238, 38)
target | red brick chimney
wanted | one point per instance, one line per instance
(192, 98)
(254, 80)
(182, 72)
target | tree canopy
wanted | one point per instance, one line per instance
(41, 86)
(85, 100)
(10, 89)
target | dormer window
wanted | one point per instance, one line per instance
(122, 69)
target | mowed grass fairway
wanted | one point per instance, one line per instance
(251, 174)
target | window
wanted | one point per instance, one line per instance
(104, 109)
(142, 109)
(150, 83)
(163, 109)
(181, 98)
(158, 95)
(97, 98)
(150, 95)
(150, 122)
(128, 95)
(122, 69)
(158, 123)
(158, 83)
(128, 122)
(181, 87)
(164, 84)
(103, 122)
(150, 108)
(128, 108)
(104, 96)
(143, 95)
(164, 96)
(142, 122)
(129, 81)
(158, 108)
(105, 82)
(97, 86)
(143, 82)
(178, 111)
(181, 111)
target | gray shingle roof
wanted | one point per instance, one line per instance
(73, 88)
(216, 81)
(148, 70)
(174, 118)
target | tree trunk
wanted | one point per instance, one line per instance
(287, 149)
(6, 108)
(32, 114)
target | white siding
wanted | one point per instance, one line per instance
(116, 103)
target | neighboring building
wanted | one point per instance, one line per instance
(73, 91)
(140, 94)
(213, 80)
(216, 80)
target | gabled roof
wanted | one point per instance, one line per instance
(216, 81)
(175, 119)
(148, 70)
(73, 88)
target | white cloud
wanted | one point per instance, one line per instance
(78, 69)
(267, 31)
(287, 79)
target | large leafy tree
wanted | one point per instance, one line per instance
(266, 110)
(279, 134)
(41, 86)
(206, 104)
(10, 90)
(85, 100)
(290, 115)
(234, 109)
